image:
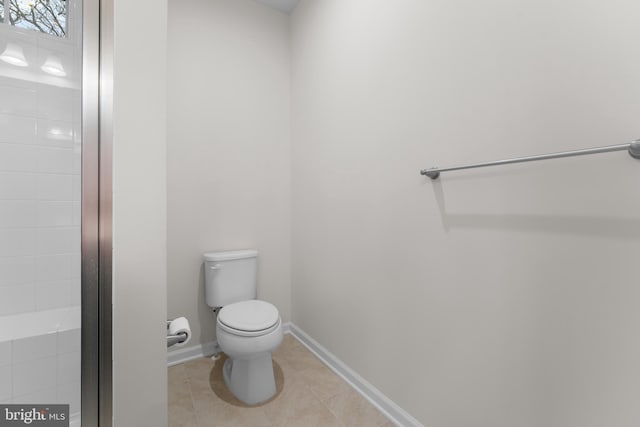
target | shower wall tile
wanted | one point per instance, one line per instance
(55, 103)
(69, 341)
(69, 393)
(77, 188)
(77, 213)
(5, 353)
(55, 187)
(69, 367)
(18, 158)
(53, 268)
(55, 294)
(17, 242)
(52, 214)
(18, 213)
(18, 100)
(35, 375)
(33, 348)
(16, 271)
(48, 394)
(53, 241)
(77, 106)
(55, 160)
(17, 129)
(40, 193)
(43, 368)
(17, 299)
(76, 263)
(17, 186)
(39, 146)
(55, 133)
(77, 160)
(6, 383)
(76, 295)
(76, 247)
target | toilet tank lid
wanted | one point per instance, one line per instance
(230, 255)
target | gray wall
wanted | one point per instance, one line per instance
(139, 214)
(228, 149)
(496, 297)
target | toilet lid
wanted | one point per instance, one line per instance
(250, 316)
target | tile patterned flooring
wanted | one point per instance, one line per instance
(308, 395)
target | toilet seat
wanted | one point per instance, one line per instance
(249, 318)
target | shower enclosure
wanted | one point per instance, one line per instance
(53, 343)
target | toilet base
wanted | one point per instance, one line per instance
(250, 380)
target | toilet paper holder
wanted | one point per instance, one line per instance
(175, 339)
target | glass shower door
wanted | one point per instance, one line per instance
(40, 206)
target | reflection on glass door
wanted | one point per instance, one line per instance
(40, 195)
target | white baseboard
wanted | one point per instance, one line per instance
(178, 355)
(175, 356)
(286, 327)
(391, 410)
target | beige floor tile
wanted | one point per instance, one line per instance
(320, 418)
(299, 357)
(179, 393)
(214, 404)
(295, 401)
(178, 417)
(288, 343)
(353, 410)
(216, 413)
(181, 416)
(309, 395)
(181, 410)
(176, 374)
(201, 394)
(323, 382)
(287, 369)
(199, 369)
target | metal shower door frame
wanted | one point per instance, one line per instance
(97, 101)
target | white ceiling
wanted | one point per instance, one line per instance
(282, 5)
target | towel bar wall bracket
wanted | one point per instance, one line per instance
(633, 148)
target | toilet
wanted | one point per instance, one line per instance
(248, 330)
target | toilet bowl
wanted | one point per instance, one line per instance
(248, 331)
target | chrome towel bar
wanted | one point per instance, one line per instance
(633, 148)
(176, 339)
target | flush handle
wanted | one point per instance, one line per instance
(215, 267)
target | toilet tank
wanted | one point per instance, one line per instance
(230, 276)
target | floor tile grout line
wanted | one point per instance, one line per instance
(184, 378)
(322, 403)
(331, 412)
(193, 402)
(324, 400)
(382, 423)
